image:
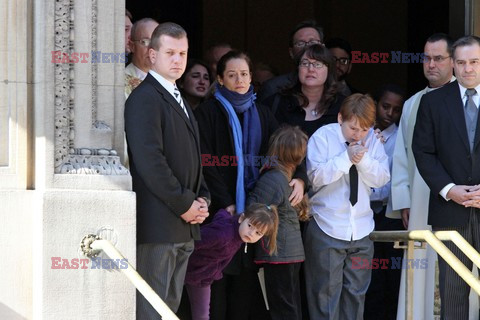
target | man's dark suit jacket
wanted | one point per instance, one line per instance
(442, 153)
(164, 152)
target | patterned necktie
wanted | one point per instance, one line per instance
(178, 96)
(353, 174)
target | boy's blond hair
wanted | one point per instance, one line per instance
(360, 107)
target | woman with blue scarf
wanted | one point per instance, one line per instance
(234, 136)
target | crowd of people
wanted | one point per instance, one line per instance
(304, 168)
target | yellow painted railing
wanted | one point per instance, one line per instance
(92, 245)
(435, 241)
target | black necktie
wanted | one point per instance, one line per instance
(353, 174)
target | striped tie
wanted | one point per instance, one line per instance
(178, 96)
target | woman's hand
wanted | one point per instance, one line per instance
(231, 209)
(297, 194)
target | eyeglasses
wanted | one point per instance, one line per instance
(143, 42)
(302, 44)
(307, 64)
(342, 61)
(436, 59)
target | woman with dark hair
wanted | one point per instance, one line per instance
(313, 100)
(234, 137)
(195, 82)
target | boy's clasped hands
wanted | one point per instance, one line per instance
(356, 151)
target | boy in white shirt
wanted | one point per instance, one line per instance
(344, 161)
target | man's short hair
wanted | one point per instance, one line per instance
(305, 24)
(340, 43)
(465, 41)
(137, 25)
(442, 37)
(360, 107)
(166, 29)
(389, 87)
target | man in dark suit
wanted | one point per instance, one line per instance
(446, 146)
(164, 151)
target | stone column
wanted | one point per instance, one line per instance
(61, 177)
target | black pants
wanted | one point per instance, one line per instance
(454, 291)
(381, 301)
(238, 297)
(282, 282)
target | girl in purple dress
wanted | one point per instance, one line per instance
(221, 239)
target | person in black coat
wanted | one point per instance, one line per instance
(235, 129)
(165, 163)
(446, 147)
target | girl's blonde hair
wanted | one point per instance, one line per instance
(303, 209)
(288, 147)
(264, 218)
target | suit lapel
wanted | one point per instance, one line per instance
(476, 141)
(454, 105)
(172, 101)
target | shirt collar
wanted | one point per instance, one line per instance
(428, 89)
(164, 82)
(139, 72)
(340, 134)
(387, 133)
(463, 90)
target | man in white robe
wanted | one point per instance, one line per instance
(410, 193)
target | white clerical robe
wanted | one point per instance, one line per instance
(409, 190)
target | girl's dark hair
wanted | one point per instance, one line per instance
(320, 53)
(222, 63)
(265, 218)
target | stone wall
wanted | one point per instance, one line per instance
(61, 172)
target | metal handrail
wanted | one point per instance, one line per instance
(92, 245)
(434, 240)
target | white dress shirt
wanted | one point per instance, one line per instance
(328, 168)
(383, 194)
(139, 72)
(169, 86)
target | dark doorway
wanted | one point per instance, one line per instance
(261, 28)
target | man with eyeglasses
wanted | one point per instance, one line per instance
(137, 70)
(342, 53)
(305, 34)
(409, 191)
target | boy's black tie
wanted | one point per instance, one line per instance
(353, 174)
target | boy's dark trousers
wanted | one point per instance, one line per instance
(382, 296)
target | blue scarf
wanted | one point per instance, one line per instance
(247, 141)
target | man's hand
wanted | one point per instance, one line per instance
(356, 152)
(297, 194)
(459, 194)
(197, 213)
(405, 213)
(231, 209)
(474, 197)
